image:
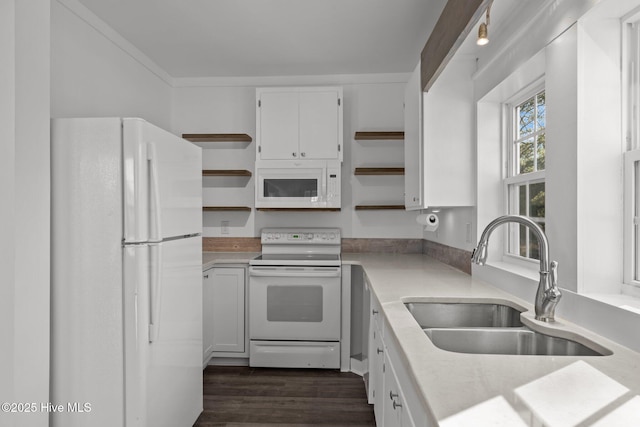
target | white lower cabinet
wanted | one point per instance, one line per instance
(395, 411)
(223, 312)
(395, 400)
(376, 364)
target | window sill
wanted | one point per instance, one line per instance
(520, 269)
(622, 301)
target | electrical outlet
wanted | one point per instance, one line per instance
(224, 227)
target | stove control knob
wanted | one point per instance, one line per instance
(310, 236)
(332, 236)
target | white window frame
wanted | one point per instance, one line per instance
(511, 179)
(632, 218)
(631, 123)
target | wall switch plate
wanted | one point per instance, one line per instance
(224, 227)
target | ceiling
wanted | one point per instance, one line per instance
(223, 38)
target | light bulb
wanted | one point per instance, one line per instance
(483, 35)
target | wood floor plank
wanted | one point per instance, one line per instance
(254, 397)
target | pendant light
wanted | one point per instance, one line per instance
(483, 31)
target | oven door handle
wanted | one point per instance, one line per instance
(293, 272)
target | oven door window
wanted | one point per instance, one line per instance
(291, 187)
(294, 303)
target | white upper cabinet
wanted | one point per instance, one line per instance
(299, 123)
(277, 125)
(439, 138)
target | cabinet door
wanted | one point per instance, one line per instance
(413, 142)
(439, 127)
(228, 309)
(320, 128)
(448, 126)
(277, 127)
(376, 362)
(207, 315)
(392, 399)
(396, 414)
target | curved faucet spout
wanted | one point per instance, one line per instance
(548, 295)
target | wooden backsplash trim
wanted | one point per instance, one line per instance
(231, 244)
(455, 257)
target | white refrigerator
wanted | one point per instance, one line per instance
(126, 279)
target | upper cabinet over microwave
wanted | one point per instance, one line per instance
(299, 123)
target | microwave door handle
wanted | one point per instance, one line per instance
(324, 184)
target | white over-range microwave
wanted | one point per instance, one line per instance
(298, 184)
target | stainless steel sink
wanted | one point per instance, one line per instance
(515, 341)
(491, 328)
(464, 314)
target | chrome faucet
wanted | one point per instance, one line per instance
(548, 294)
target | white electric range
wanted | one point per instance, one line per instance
(295, 299)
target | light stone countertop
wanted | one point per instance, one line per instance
(466, 389)
(210, 259)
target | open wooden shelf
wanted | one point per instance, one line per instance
(370, 136)
(226, 172)
(299, 209)
(379, 171)
(379, 207)
(217, 137)
(226, 208)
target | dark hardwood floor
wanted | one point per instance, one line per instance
(252, 397)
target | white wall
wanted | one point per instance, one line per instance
(600, 149)
(96, 73)
(221, 109)
(370, 104)
(375, 107)
(561, 190)
(456, 229)
(7, 195)
(24, 217)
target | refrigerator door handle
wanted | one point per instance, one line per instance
(155, 230)
(155, 291)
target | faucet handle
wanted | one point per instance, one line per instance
(553, 293)
(554, 273)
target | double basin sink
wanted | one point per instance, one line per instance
(492, 328)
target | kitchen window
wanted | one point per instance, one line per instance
(525, 181)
